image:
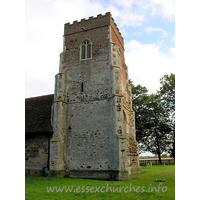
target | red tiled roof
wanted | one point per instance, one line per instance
(38, 114)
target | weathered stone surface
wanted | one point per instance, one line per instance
(93, 120)
(36, 153)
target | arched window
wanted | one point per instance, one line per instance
(86, 49)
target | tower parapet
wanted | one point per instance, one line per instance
(91, 23)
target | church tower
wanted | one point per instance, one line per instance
(92, 116)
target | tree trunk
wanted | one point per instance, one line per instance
(159, 157)
(174, 145)
(158, 149)
(173, 150)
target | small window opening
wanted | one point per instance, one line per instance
(82, 87)
(86, 51)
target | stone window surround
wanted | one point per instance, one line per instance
(86, 50)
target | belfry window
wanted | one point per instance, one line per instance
(86, 49)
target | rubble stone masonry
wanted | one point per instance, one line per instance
(93, 121)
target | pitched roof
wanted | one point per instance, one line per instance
(38, 114)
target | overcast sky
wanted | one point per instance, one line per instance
(147, 26)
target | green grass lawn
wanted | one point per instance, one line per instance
(144, 185)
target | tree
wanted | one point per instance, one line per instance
(167, 95)
(157, 137)
(139, 99)
(152, 128)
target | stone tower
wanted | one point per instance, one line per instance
(92, 116)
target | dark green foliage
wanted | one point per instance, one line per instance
(140, 98)
(167, 95)
(155, 117)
